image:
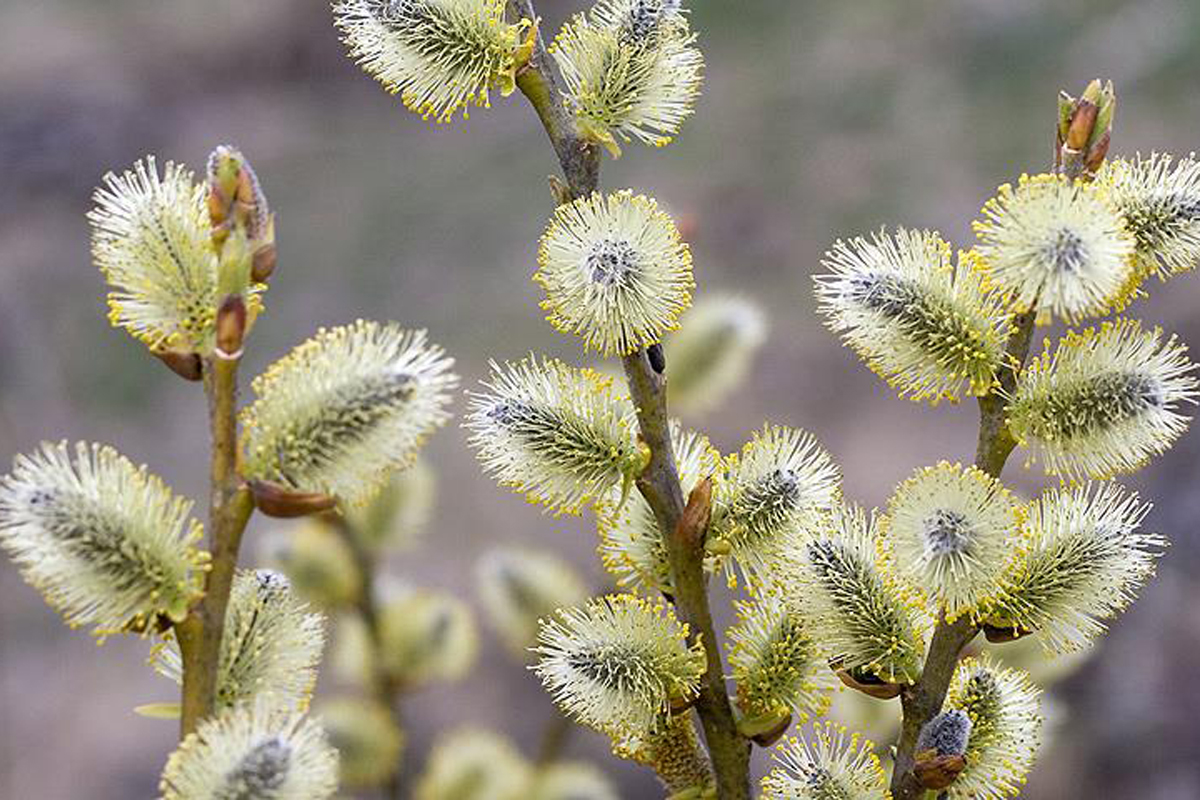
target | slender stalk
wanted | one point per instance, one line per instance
(578, 158)
(230, 506)
(659, 483)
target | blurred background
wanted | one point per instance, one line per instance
(819, 119)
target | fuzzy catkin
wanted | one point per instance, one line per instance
(561, 436)
(615, 271)
(1085, 559)
(440, 56)
(272, 644)
(928, 326)
(345, 408)
(1104, 401)
(259, 750)
(105, 542)
(631, 69)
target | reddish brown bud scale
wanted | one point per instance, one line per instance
(263, 263)
(231, 325)
(693, 523)
(1098, 152)
(937, 772)
(276, 500)
(1083, 120)
(188, 366)
(874, 687)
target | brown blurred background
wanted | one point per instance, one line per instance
(818, 119)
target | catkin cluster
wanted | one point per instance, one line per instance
(829, 590)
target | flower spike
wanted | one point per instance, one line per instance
(1160, 201)
(426, 636)
(924, 325)
(827, 764)
(618, 664)
(253, 751)
(560, 435)
(631, 70)
(1086, 558)
(440, 56)
(342, 410)
(676, 755)
(473, 764)
(781, 481)
(105, 542)
(949, 533)
(518, 587)
(860, 620)
(776, 662)
(712, 351)
(1104, 401)
(573, 780)
(152, 239)
(1005, 731)
(272, 644)
(615, 271)
(367, 738)
(1058, 245)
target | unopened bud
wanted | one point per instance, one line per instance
(1084, 129)
(941, 747)
(231, 326)
(222, 172)
(276, 500)
(693, 523)
(188, 366)
(262, 263)
(235, 196)
(1082, 121)
(937, 772)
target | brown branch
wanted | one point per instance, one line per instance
(996, 442)
(923, 701)
(659, 483)
(230, 506)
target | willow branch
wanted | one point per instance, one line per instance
(923, 701)
(996, 443)
(659, 483)
(230, 506)
(578, 158)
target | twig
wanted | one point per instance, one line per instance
(659, 483)
(230, 506)
(924, 700)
